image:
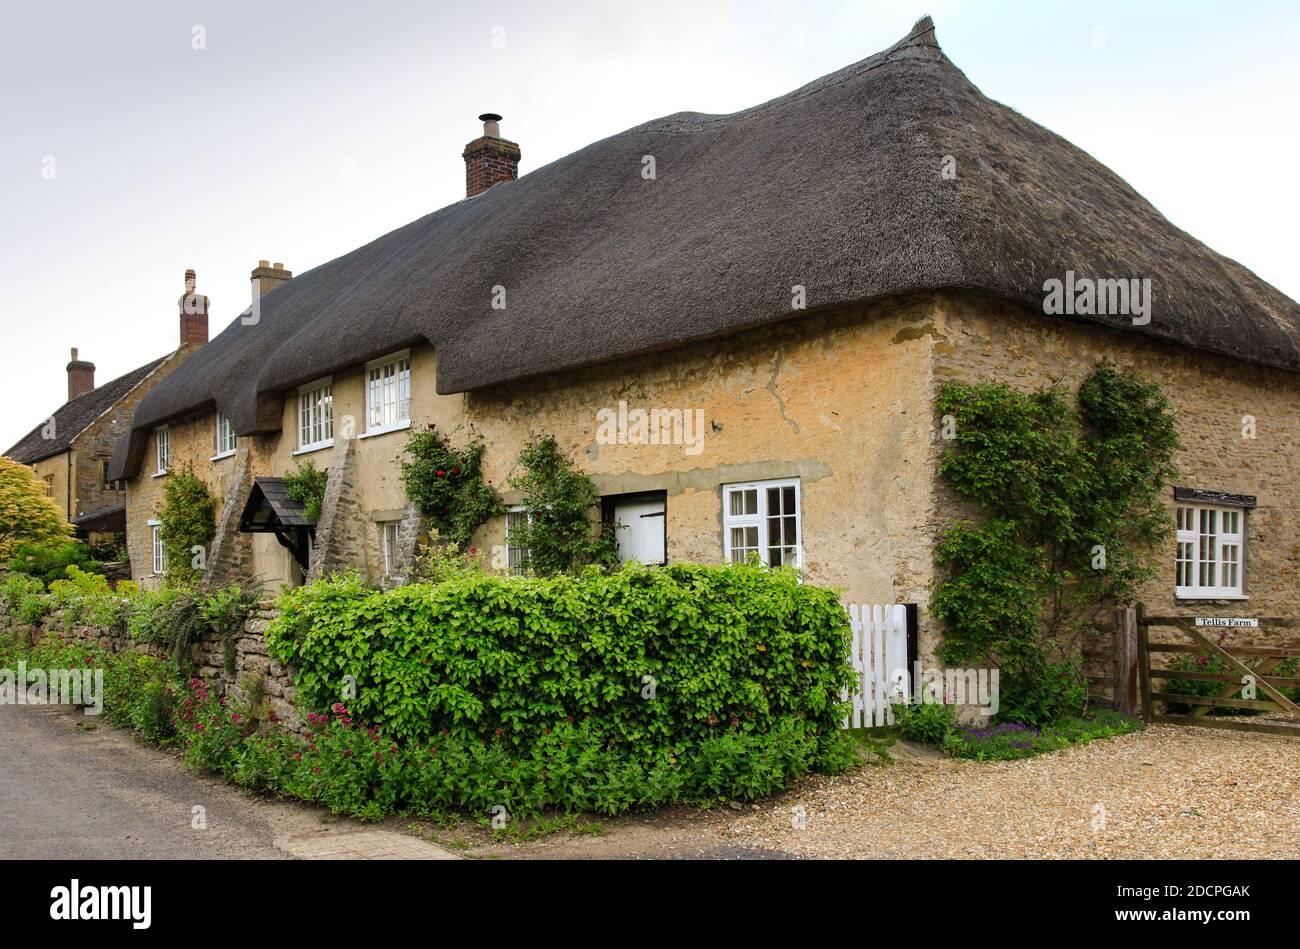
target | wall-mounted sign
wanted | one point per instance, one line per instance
(1234, 622)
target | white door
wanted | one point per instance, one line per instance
(641, 536)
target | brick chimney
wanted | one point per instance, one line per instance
(489, 159)
(194, 314)
(267, 276)
(81, 376)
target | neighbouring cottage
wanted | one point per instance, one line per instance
(782, 291)
(71, 449)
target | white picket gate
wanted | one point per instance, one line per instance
(879, 663)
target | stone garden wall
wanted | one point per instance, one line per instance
(257, 678)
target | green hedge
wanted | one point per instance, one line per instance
(653, 657)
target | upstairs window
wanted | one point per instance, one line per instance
(762, 518)
(224, 442)
(315, 416)
(388, 395)
(163, 444)
(1210, 557)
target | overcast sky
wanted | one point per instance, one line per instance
(303, 129)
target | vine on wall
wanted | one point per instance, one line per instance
(559, 533)
(447, 486)
(188, 523)
(1073, 493)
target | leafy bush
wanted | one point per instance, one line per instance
(307, 486)
(1009, 740)
(929, 723)
(18, 586)
(188, 522)
(559, 533)
(652, 655)
(447, 485)
(49, 562)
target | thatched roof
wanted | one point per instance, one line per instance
(836, 186)
(76, 415)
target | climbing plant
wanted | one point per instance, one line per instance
(446, 484)
(306, 485)
(1071, 490)
(188, 521)
(559, 532)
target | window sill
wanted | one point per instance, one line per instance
(161, 474)
(400, 426)
(221, 456)
(308, 449)
(1209, 597)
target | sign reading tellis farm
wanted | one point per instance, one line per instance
(1235, 622)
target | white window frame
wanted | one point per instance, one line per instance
(389, 546)
(1206, 553)
(162, 450)
(760, 518)
(516, 556)
(388, 384)
(156, 548)
(315, 415)
(223, 437)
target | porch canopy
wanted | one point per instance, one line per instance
(270, 510)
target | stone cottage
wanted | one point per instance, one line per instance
(737, 326)
(71, 449)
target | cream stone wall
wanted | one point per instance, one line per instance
(837, 401)
(56, 470)
(979, 340)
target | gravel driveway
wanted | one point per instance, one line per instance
(1170, 791)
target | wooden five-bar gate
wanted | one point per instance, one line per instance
(1249, 669)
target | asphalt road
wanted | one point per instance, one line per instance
(73, 793)
(74, 788)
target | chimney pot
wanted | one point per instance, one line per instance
(266, 277)
(489, 159)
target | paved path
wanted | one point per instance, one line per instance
(72, 787)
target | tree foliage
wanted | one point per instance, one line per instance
(27, 514)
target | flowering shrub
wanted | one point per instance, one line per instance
(1007, 741)
(447, 485)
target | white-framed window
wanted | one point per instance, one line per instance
(762, 517)
(316, 415)
(1210, 557)
(388, 538)
(163, 446)
(516, 555)
(159, 554)
(388, 394)
(224, 437)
